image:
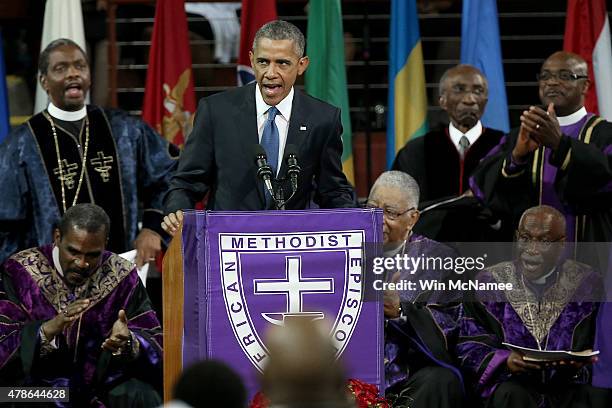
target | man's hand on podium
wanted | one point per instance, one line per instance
(172, 222)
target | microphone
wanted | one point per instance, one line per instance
(264, 171)
(293, 169)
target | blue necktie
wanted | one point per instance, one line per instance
(269, 139)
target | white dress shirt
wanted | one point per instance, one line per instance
(472, 135)
(281, 119)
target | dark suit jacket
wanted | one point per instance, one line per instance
(219, 155)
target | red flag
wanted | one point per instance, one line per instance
(169, 100)
(252, 17)
(587, 33)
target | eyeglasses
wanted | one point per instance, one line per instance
(390, 213)
(563, 75)
(524, 240)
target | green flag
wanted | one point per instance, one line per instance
(326, 74)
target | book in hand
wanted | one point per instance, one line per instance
(536, 355)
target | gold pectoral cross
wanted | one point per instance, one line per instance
(69, 171)
(101, 164)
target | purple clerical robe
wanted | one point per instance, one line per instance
(562, 317)
(420, 337)
(32, 292)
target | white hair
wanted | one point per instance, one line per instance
(401, 181)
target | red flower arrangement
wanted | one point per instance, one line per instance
(259, 401)
(365, 395)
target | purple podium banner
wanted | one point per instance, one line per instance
(247, 271)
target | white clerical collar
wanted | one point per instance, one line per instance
(573, 118)
(56, 260)
(284, 106)
(68, 116)
(542, 280)
(473, 134)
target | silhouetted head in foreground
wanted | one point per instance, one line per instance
(210, 384)
(302, 370)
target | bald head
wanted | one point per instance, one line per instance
(564, 82)
(464, 93)
(574, 60)
(302, 367)
(547, 213)
(541, 237)
(461, 69)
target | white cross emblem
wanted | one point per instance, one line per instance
(294, 287)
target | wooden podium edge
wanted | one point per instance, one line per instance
(173, 305)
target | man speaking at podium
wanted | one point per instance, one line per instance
(221, 154)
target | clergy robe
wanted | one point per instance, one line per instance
(32, 292)
(576, 180)
(127, 164)
(562, 317)
(434, 162)
(419, 369)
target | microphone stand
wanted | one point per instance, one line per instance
(273, 186)
(279, 197)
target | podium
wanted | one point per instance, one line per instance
(229, 276)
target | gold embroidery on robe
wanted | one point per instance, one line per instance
(69, 171)
(539, 317)
(103, 281)
(102, 164)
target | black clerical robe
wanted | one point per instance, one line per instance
(576, 179)
(434, 162)
(127, 164)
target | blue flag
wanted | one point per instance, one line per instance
(480, 47)
(407, 114)
(5, 126)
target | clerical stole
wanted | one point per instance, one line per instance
(99, 182)
(544, 175)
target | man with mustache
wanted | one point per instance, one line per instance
(561, 156)
(552, 306)
(75, 315)
(76, 153)
(219, 157)
(442, 161)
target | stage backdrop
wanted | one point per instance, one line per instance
(245, 271)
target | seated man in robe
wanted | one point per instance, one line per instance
(561, 155)
(419, 370)
(551, 307)
(75, 315)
